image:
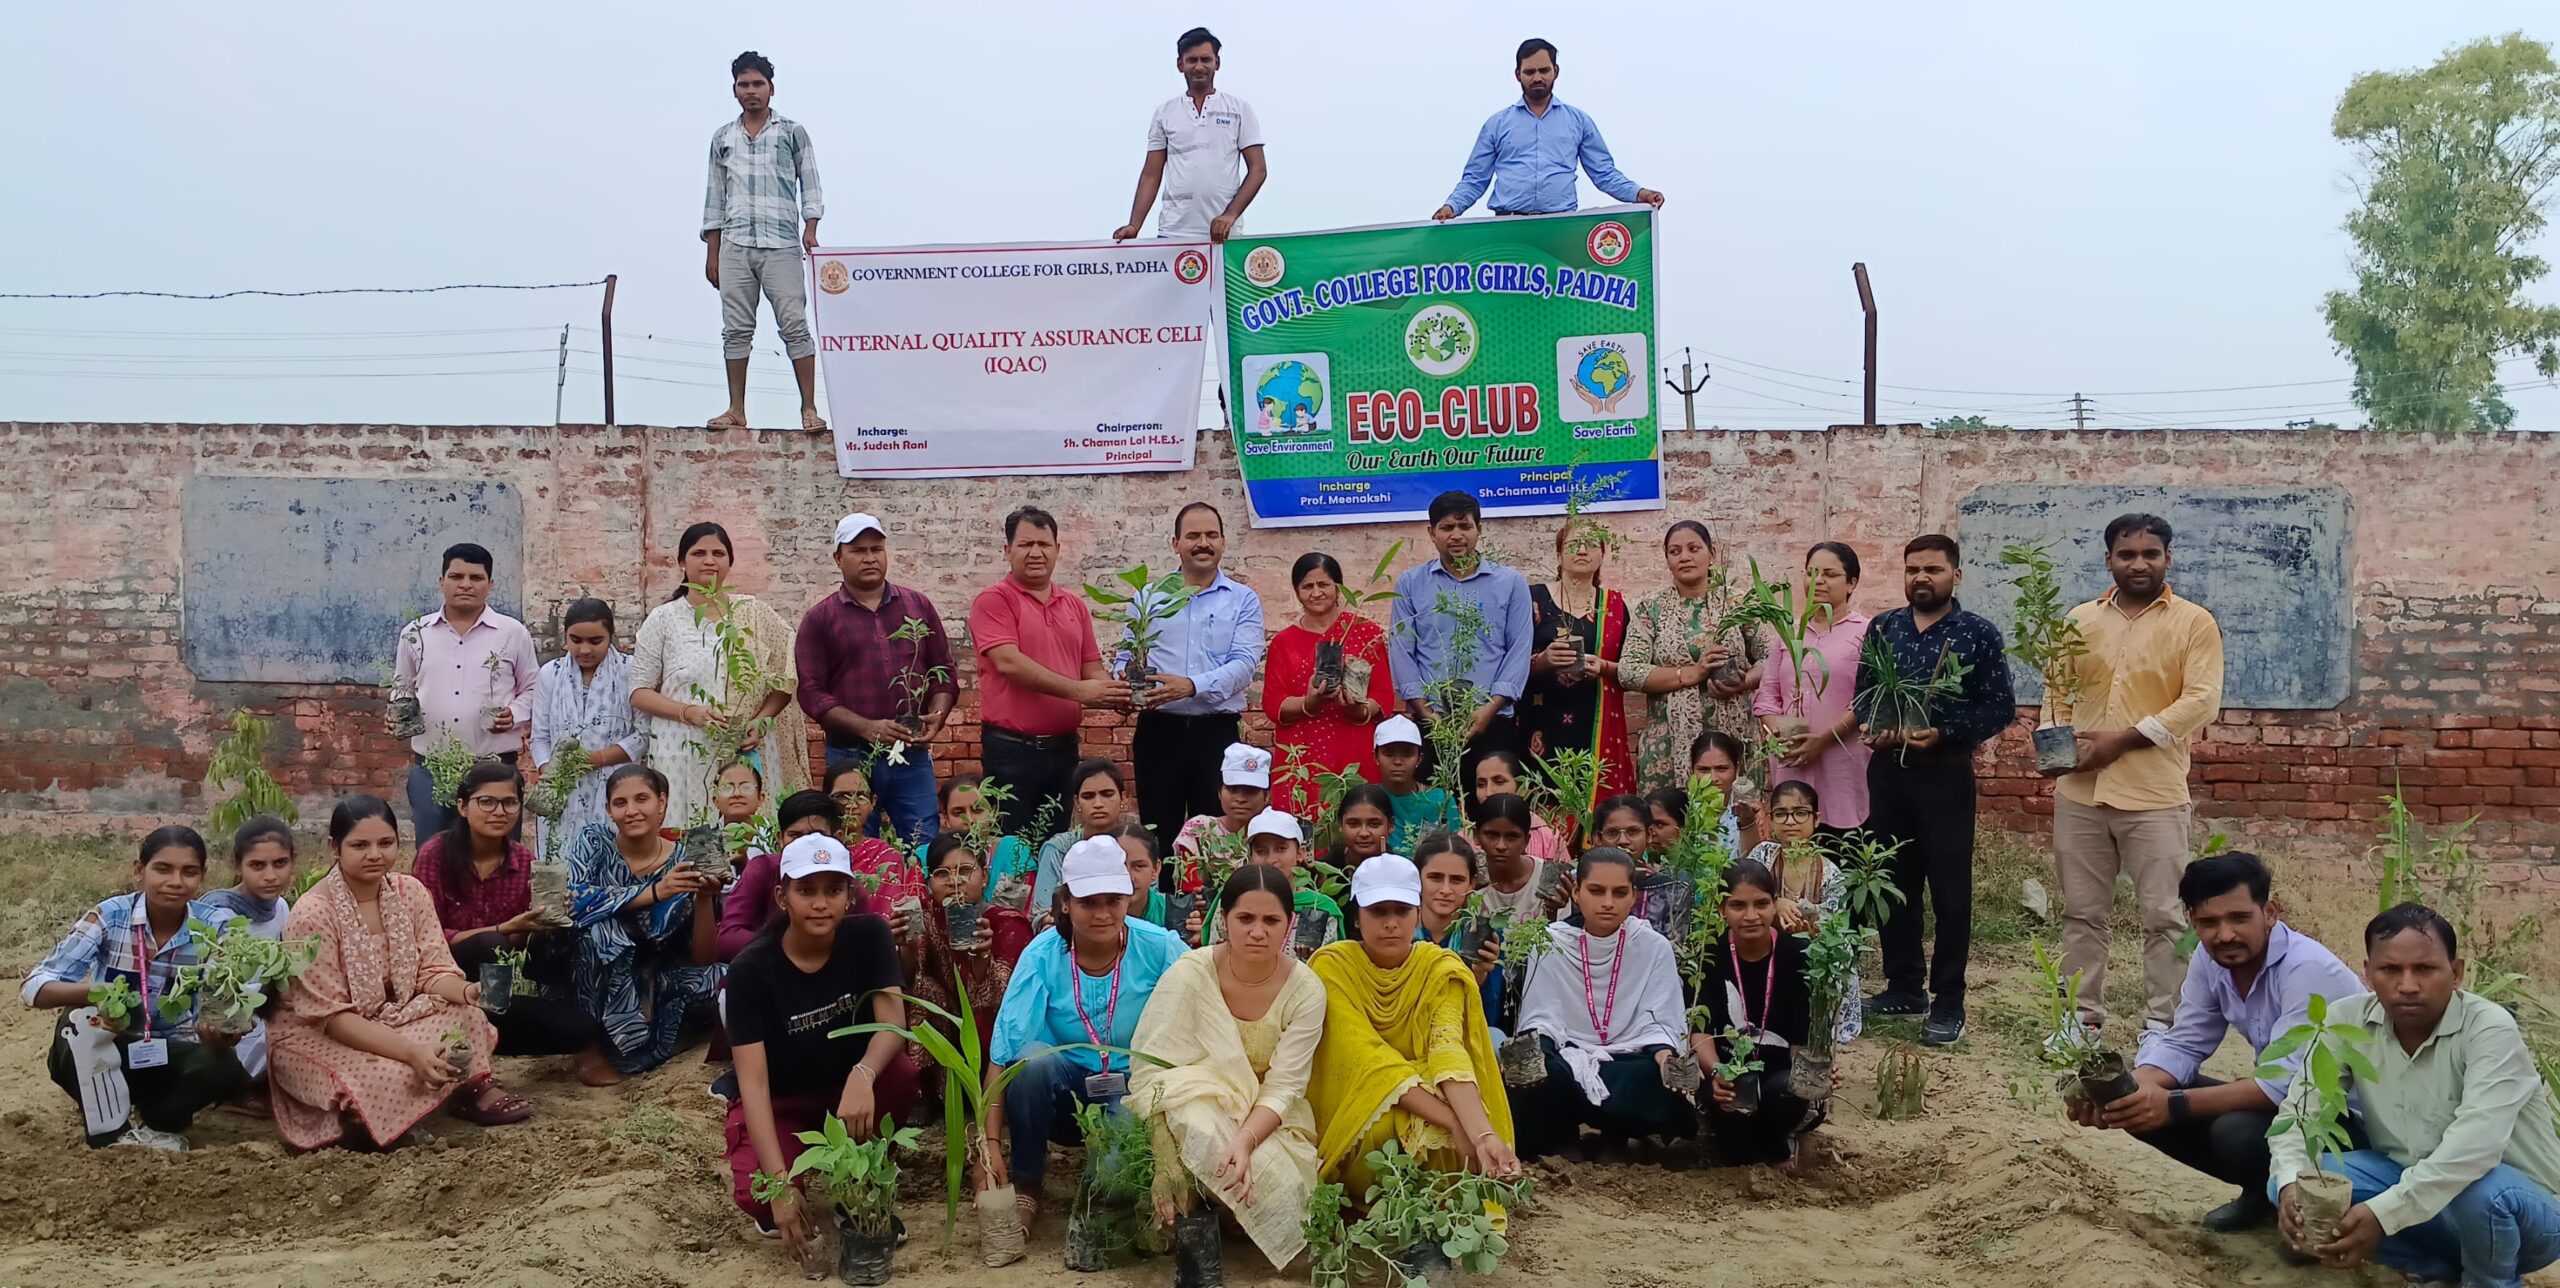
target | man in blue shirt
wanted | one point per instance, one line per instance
(1528, 151)
(1459, 632)
(1920, 782)
(1203, 661)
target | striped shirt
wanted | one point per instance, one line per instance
(762, 185)
(106, 945)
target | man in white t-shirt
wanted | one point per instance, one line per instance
(1194, 144)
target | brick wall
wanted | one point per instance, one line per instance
(2456, 573)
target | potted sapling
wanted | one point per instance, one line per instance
(1523, 1061)
(497, 699)
(116, 1001)
(914, 684)
(1742, 1066)
(402, 716)
(1474, 929)
(820, 1251)
(859, 1179)
(457, 1051)
(1113, 1220)
(2333, 1054)
(503, 979)
(236, 977)
(1765, 606)
(1898, 702)
(2085, 1071)
(1348, 675)
(1141, 603)
(1423, 1225)
(1867, 896)
(446, 762)
(1789, 624)
(705, 844)
(2047, 639)
(1567, 782)
(1902, 1083)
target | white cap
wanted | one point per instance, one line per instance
(1095, 865)
(815, 853)
(1388, 878)
(854, 525)
(1275, 822)
(1245, 765)
(1398, 729)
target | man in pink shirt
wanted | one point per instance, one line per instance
(1038, 670)
(473, 669)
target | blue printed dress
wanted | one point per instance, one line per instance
(634, 969)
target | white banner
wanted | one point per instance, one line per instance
(945, 361)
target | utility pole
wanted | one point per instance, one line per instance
(1867, 303)
(2079, 412)
(1687, 388)
(561, 388)
(607, 328)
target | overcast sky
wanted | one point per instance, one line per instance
(2116, 200)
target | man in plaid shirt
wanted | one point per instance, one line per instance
(881, 700)
(760, 210)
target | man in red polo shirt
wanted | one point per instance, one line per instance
(1038, 669)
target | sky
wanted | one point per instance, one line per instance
(2136, 203)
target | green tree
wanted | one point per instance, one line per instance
(1975, 421)
(2458, 162)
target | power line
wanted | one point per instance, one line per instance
(272, 375)
(58, 356)
(266, 336)
(297, 295)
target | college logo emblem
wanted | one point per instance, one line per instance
(1601, 378)
(1441, 340)
(1264, 266)
(1609, 243)
(1189, 267)
(833, 277)
(1289, 394)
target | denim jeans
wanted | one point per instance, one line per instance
(904, 793)
(2501, 1228)
(1039, 1107)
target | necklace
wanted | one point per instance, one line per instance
(1252, 983)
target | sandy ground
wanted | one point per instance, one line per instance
(625, 1188)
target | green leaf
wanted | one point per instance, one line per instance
(2289, 1043)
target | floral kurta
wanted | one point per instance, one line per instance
(596, 713)
(382, 978)
(1665, 633)
(676, 654)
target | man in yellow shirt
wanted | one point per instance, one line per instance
(2152, 678)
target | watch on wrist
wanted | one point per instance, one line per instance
(2178, 1111)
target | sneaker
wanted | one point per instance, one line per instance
(1894, 1001)
(898, 1227)
(2247, 1212)
(140, 1137)
(767, 1229)
(725, 1087)
(1944, 1028)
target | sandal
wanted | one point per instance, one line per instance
(491, 1106)
(727, 420)
(812, 422)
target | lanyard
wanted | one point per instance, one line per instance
(142, 955)
(1767, 989)
(1111, 1013)
(1600, 1016)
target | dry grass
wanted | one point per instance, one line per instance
(46, 882)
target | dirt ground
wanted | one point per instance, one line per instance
(625, 1188)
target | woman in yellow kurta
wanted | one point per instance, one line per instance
(1237, 1023)
(1405, 1054)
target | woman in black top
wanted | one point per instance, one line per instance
(1755, 983)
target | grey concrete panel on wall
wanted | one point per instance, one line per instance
(2270, 562)
(307, 581)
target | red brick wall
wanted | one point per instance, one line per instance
(2456, 570)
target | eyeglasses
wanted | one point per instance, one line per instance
(961, 872)
(496, 804)
(1792, 815)
(848, 798)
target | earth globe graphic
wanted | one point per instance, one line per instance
(1290, 395)
(1602, 375)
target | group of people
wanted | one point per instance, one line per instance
(1284, 959)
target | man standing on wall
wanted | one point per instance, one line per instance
(760, 211)
(1038, 669)
(1478, 637)
(2152, 678)
(1194, 145)
(1920, 782)
(472, 669)
(1203, 662)
(880, 700)
(1528, 152)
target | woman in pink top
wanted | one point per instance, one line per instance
(1810, 710)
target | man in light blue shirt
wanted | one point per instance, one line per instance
(2250, 972)
(1437, 651)
(1202, 663)
(1529, 151)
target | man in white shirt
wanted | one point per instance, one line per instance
(1193, 145)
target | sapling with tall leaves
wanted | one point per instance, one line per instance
(2442, 872)
(2045, 637)
(2333, 1052)
(1566, 781)
(1140, 603)
(1897, 702)
(239, 764)
(2084, 1070)
(735, 725)
(1115, 1205)
(859, 1178)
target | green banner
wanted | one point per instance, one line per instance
(1371, 369)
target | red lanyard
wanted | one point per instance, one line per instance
(1111, 1013)
(1600, 1016)
(142, 954)
(1767, 989)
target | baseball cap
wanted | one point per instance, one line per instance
(1388, 878)
(813, 854)
(1275, 822)
(854, 525)
(1398, 729)
(1245, 765)
(1096, 865)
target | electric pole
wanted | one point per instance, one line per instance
(1867, 304)
(561, 386)
(1687, 388)
(2079, 412)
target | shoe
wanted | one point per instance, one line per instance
(898, 1227)
(767, 1229)
(1894, 1001)
(725, 1087)
(140, 1137)
(1942, 1029)
(2247, 1212)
